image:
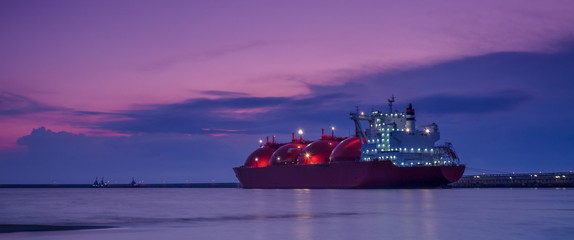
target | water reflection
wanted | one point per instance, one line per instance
(429, 218)
(302, 229)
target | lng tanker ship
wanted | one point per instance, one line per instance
(391, 152)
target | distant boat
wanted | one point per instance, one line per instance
(134, 183)
(99, 184)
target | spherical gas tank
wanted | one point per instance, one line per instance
(349, 150)
(286, 154)
(260, 157)
(317, 152)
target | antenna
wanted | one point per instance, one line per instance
(391, 101)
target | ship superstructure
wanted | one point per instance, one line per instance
(394, 136)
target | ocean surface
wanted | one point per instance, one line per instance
(188, 213)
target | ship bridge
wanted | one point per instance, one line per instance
(394, 136)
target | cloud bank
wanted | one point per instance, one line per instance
(12, 104)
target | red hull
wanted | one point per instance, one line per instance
(375, 174)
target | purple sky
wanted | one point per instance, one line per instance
(181, 91)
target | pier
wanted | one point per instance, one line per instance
(552, 179)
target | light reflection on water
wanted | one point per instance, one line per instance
(293, 214)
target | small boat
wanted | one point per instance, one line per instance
(99, 184)
(134, 183)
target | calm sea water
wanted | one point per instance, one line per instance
(292, 214)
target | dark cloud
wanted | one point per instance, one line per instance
(13, 104)
(224, 93)
(543, 75)
(233, 115)
(504, 100)
(92, 113)
(45, 139)
(89, 113)
(76, 158)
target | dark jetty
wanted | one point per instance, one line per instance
(153, 185)
(553, 179)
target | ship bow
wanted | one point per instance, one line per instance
(452, 173)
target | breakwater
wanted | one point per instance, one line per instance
(552, 179)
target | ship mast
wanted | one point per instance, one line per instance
(391, 101)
